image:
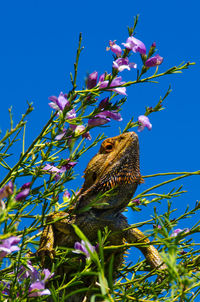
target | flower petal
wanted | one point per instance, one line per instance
(92, 80)
(143, 121)
(154, 61)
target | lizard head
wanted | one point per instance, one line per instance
(115, 167)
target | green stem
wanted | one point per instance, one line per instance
(8, 176)
(167, 181)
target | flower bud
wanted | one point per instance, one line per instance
(92, 80)
(154, 61)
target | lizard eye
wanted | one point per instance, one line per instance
(108, 147)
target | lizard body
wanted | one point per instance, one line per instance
(115, 167)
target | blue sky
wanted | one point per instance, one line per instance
(38, 47)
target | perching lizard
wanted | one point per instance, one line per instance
(116, 167)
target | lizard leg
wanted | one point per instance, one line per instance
(47, 239)
(46, 244)
(121, 229)
(149, 251)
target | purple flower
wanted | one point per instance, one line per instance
(61, 135)
(98, 121)
(154, 61)
(144, 122)
(123, 63)
(66, 196)
(25, 190)
(136, 201)
(71, 114)
(87, 135)
(102, 77)
(84, 247)
(58, 171)
(104, 103)
(76, 129)
(37, 286)
(135, 45)
(6, 288)
(54, 170)
(104, 117)
(111, 114)
(182, 252)
(70, 164)
(79, 129)
(159, 227)
(28, 271)
(115, 48)
(6, 191)
(46, 275)
(92, 80)
(115, 82)
(178, 231)
(37, 280)
(8, 246)
(23, 194)
(37, 289)
(59, 103)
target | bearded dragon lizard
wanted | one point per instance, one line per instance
(116, 167)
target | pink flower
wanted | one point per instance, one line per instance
(61, 135)
(37, 288)
(136, 201)
(178, 231)
(111, 114)
(115, 48)
(104, 117)
(92, 80)
(66, 196)
(123, 63)
(35, 280)
(69, 164)
(80, 129)
(57, 171)
(135, 45)
(71, 114)
(54, 170)
(154, 61)
(98, 121)
(144, 122)
(60, 102)
(87, 135)
(84, 248)
(115, 82)
(25, 190)
(6, 191)
(8, 246)
(104, 103)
